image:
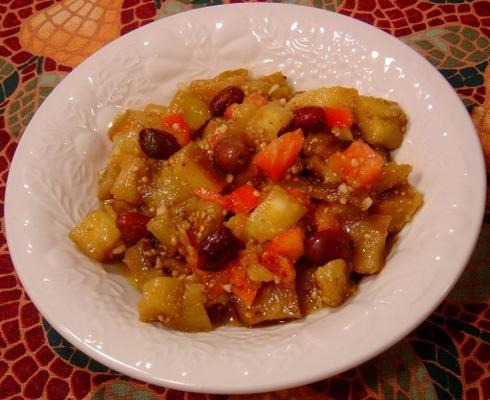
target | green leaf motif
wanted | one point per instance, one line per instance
(440, 356)
(171, 8)
(28, 99)
(9, 80)
(120, 390)
(68, 352)
(331, 5)
(473, 285)
(451, 47)
(299, 2)
(399, 375)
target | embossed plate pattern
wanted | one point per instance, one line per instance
(52, 184)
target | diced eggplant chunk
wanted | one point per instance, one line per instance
(242, 115)
(341, 213)
(204, 215)
(266, 123)
(206, 89)
(195, 111)
(163, 228)
(321, 144)
(369, 237)
(276, 213)
(273, 303)
(343, 133)
(392, 175)
(193, 316)
(237, 225)
(162, 299)
(140, 263)
(126, 124)
(97, 235)
(198, 171)
(334, 97)
(126, 185)
(214, 130)
(319, 167)
(333, 282)
(168, 188)
(308, 291)
(106, 180)
(274, 86)
(400, 204)
(382, 122)
(153, 114)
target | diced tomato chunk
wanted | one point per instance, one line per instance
(241, 285)
(234, 275)
(280, 266)
(282, 252)
(288, 244)
(213, 282)
(359, 165)
(280, 154)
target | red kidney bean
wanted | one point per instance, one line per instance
(231, 155)
(309, 118)
(324, 246)
(158, 144)
(228, 96)
(217, 249)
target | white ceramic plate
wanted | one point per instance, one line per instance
(52, 185)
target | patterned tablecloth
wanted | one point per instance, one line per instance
(447, 357)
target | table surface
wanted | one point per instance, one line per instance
(446, 357)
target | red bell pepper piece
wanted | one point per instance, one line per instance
(339, 117)
(211, 196)
(241, 200)
(176, 123)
